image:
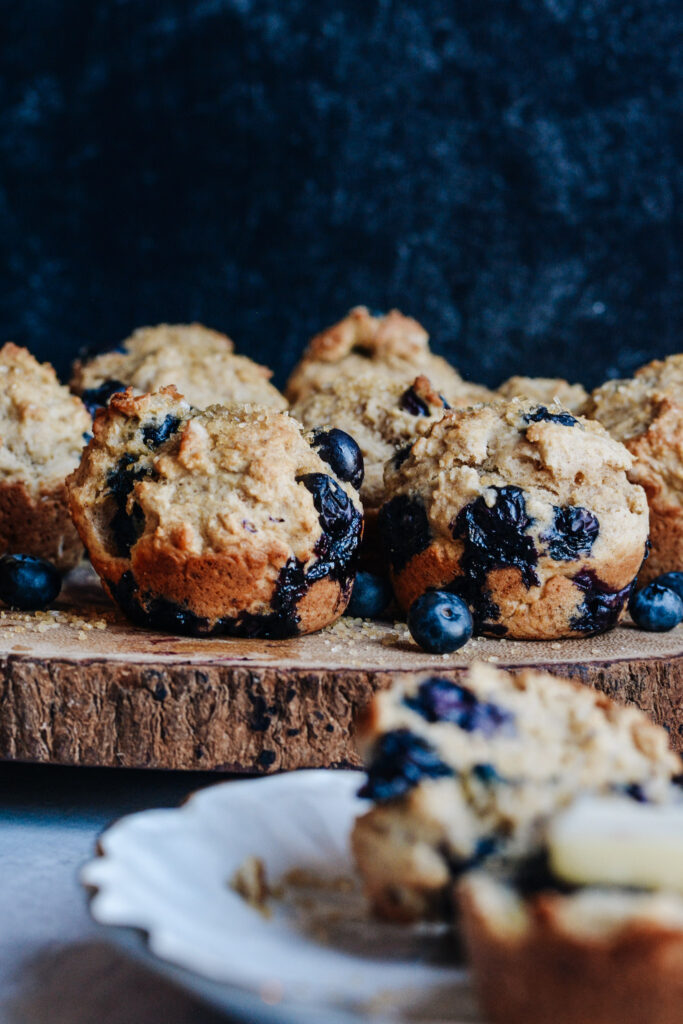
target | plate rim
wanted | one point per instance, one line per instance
(227, 997)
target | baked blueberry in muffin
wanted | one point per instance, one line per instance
(43, 429)
(382, 416)
(222, 521)
(523, 510)
(198, 361)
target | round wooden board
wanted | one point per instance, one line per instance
(80, 686)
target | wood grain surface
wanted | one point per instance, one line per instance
(80, 686)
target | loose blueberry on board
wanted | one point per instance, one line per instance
(656, 608)
(672, 580)
(95, 398)
(28, 583)
(341, 453)
(400, 761)
(370, 597)
(442, 700)
(440, 622)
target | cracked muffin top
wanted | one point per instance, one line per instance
(555, 458)
(546, 390)
(215, 511)
(381, 414)
(628, 407)
(392, 346)
(523, 510)
(43, 427)
(198, 361)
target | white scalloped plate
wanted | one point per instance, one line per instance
(167, 873)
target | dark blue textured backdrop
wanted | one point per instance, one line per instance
(508, 172)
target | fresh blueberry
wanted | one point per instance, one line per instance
(341, 453)
(370, 597)
(442, 700)
(95, 398)
(541, 413)
(672, 580)
(656, 608)
(400, 761)
(573, 533)
(154, 434)
(440, 622)
(27, 582)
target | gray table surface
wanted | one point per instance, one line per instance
(56, 967)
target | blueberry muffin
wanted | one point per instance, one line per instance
(382, 415)
(198, 361)
(43, 429)
(523, 510)
(391, 346)
(545, 391)
(645, 413)
(591, 931)
(225, 521)
(467, 773)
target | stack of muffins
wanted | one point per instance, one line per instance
(224, 506)
(545, 817)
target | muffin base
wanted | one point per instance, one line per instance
(38, 524)
(546, 976)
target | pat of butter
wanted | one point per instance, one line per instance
(615, 841)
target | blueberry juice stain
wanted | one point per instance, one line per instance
(601, 605)
(494, 537)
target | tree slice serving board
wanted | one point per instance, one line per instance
(80, 686)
